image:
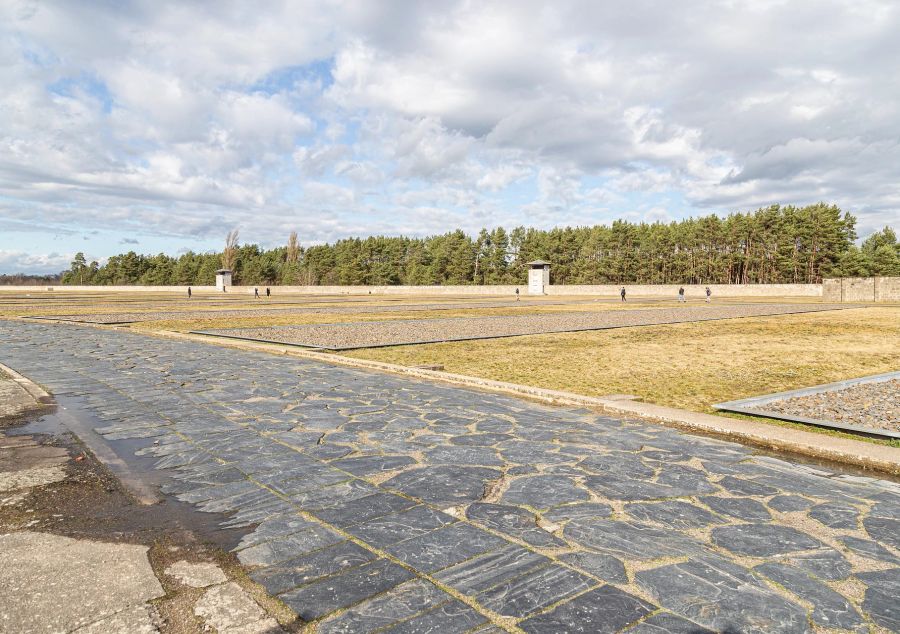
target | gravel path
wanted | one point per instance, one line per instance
(866, 404)
(127, 318)
(375, 334)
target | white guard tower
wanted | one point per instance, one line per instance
(538, 277)
(223, 278)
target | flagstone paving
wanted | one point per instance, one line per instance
(375, 502)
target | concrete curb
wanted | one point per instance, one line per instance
(844, 450)
(34, 390)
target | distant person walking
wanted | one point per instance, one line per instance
(622, 293)
(517, 293)
(256, 293)
(708, 294)
(189, 292)
(223, 289)
(268, 292)
(681, 294)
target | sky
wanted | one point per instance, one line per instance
(159, 126)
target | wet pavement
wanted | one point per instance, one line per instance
(374, 502)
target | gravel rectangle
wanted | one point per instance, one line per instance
(374, 334)
(868, 404)
(133, 317)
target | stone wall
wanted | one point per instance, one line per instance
(691, 290)
(607, 290)
(887, 289)
(861, 289)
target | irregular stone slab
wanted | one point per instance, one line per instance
(486, 571)
(869, 549)
(514, 521)
(44, 573)
(534, 590)
(790, 503)
(401, 603)
(686, 479)
(824, 563)
(605, 567)
(484, 440)
(739, 486)
(444, 485)
(464, 455)
(721, 601)
(665, 623)
(830, 609)
(332, 593)
(621, 488)
(627, 465)
(836, 515)
(445, 546)
(746, 509)
(199, 575)
(881, 597)
(370, 465)
(454, 617)
(228, 608)
(288, 547)
(533, 452)
(308, 568)
(604, 610)
(333, 495)
(362, 509)
(397, 527)
(883, 529)
(763, 540)
(674, 514)
(544, 491)
(274, 527)
(580, 509)
(629, 540)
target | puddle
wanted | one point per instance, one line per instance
(156, 512)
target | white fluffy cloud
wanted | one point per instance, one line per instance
(343, 117)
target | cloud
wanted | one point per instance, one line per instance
(21, 262)
(174, 120)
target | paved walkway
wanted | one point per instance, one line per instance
(373, 502)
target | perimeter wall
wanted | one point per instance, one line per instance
(608, 290)
(861, 289)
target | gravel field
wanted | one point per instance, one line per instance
(874, 405)
(128, 318)
(374, 334)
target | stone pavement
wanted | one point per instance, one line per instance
(373, 502)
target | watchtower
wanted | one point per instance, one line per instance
(538, 277)
(223, 278)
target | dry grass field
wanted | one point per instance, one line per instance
(682, 365)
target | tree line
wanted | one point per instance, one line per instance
(777, 244)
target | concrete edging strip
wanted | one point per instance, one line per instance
(845, 450)
(36, 392)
